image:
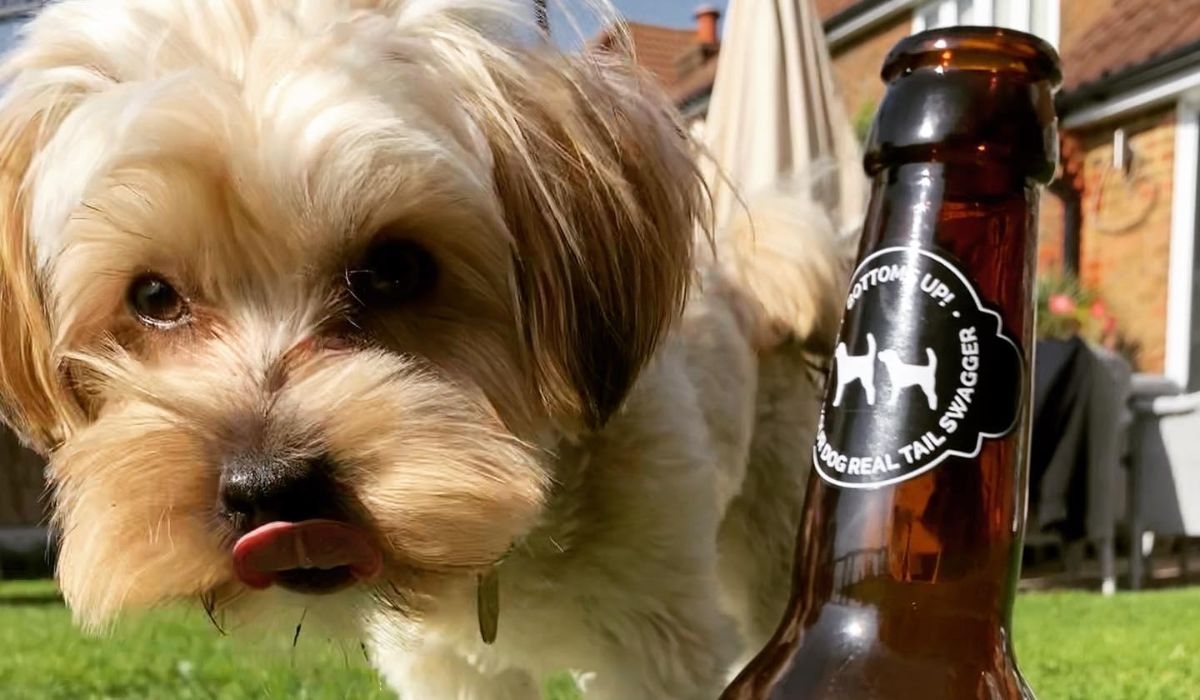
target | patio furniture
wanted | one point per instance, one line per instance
(1164, 476)
(25, 551)
(1081, 416)
(23, 540)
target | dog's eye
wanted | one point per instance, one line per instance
(393, 272)
(155, 302)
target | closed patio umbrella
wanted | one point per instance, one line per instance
(774, 113)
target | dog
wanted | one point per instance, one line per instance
(389, 317)
(904, 375)
(855, 368)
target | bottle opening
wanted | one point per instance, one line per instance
(968, 95)
(993, 49)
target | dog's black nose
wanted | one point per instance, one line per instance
(257, 489)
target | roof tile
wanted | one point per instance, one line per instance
(657, 48)
(1130, 33)
(694, 83)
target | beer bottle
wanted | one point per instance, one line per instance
(910, 543)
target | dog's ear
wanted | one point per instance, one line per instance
(33, 399)
(602, 198)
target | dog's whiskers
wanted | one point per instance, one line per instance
(392, 599)
(299, 626)
(394, 604)
(208, 600)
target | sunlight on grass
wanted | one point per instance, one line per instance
(1082, 646)
(174, 653)
(1072, 646)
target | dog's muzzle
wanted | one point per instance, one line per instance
(293, 530)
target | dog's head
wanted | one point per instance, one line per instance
(314, 282)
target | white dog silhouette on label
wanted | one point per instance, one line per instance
(859, 368)
(906, 375)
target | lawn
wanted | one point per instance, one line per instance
(1073, 646)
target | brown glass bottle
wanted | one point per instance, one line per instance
(909, 549)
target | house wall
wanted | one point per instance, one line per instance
(1126, 226)
(1126, 233)
(856, 65)
(1075, 20)
(1050, 233)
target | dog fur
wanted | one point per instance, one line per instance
(586, 403)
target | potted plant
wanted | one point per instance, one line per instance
(1066, 309)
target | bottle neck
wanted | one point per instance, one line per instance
(911, 584)
(958, 525)
(918, 204)
(981, 214)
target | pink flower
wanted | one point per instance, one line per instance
(1098, 310)
(1110, 325)
(1061, 304)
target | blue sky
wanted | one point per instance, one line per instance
(669, 13)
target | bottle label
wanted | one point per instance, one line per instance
(923, 371)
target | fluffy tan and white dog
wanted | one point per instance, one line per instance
(388, 314)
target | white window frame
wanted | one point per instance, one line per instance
(985, 11)
(1177, 363)
(947, 13)
(1020, 10)
(1054, 23)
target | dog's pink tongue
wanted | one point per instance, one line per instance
(312, 544)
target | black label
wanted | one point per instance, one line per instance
(923, 371)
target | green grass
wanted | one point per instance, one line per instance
(1072, 646)
(1133, 646)
(168, 654)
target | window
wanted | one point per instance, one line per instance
(1038, 17)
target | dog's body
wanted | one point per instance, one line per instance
(366, 308)
(903, 375)
(621, 582)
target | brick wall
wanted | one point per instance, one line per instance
(856, 66)
(1050, 233)
(1126, 233)
(1076, 18)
